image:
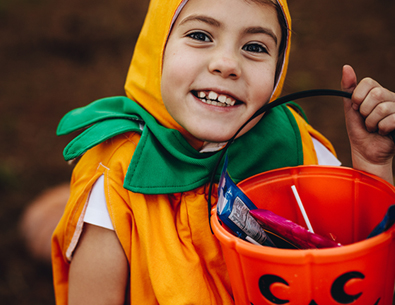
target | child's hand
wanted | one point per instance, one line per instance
(370, 117)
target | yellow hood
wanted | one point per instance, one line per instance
(143, 80)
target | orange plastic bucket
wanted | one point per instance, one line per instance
(338, 200)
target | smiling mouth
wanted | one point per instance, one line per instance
(215, 99)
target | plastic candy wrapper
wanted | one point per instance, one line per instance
(290, 231)
(233, 210)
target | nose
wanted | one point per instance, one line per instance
(225, 64)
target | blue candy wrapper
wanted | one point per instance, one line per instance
(386, 223)
(233, 210)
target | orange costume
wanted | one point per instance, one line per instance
(157, 204)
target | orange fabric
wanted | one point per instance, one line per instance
(166, 238)
(306, 133)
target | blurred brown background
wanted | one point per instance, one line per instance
(58, 55)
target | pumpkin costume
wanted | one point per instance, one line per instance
(156, 181)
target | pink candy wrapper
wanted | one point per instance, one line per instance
(290, 231)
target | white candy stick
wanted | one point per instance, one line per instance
(252, 241)
(301, 207)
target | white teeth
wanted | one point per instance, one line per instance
(201, 94)
(212, 95)
(222, 98)
(215, 99)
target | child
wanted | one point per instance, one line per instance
(200, 69)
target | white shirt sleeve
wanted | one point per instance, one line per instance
(325, 157)
(96, 211)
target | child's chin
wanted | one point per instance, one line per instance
(215, 138)
(215, 134)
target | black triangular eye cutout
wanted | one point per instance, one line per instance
(313, 303)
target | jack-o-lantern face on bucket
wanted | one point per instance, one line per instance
(338, 290)
(318, 277)
(360, 272)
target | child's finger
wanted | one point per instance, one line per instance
(354, 120)
(387, 126)
(348, 84)
(349, 79)
(378, 99)
(381, 118)
(366, 87)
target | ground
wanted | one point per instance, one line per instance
(58, 55)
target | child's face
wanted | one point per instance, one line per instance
(222, 50)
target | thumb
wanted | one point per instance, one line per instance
(348, 84)
(354, 120)
(349, 79)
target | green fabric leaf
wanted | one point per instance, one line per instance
(97, 134)
(164, 162)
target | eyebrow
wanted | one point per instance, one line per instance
(262, 30)
(216, 23)
(202, 18)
